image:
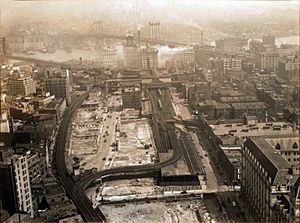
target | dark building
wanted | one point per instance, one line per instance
(292, 115)
(230, 159)
(59, 84)
(266, 179)
(131, 98)
(257, 109)
(213, 110)
(198, 92)
(275, 101)
(8, 194)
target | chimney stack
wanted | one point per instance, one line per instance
(139, 36)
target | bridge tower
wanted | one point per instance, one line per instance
(3, 44)
(155, 32)
(98, 32)
(202, 38)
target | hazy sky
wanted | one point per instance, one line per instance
(31, 8)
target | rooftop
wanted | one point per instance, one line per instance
(54, 104)
(233, 155)
(259, 129)
(248, 105)
(286, 143)
(276, 166)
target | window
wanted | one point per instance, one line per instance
(295, 146)
(277, 146)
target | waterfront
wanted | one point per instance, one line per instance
(94, 55)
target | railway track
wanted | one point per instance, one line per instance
(76, 190)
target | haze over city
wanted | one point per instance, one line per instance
(149, 111)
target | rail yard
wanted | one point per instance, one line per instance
(115, 144)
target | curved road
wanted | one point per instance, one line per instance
(76, 190)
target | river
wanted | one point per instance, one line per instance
(88, 55)
(287, 40)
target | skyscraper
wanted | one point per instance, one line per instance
(58, 84)
(269, 61)
(21, 85)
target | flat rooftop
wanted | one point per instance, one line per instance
(248, 105)
(259, 129)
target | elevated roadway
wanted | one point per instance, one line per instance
(46, 62)
(76, 190)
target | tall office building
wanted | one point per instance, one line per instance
(149, 57)
(180, 59)
(109, 57)
(8, 193)
(269, 61)
(21, 85)
(267, 181)
(132, 54)
(58, 84)
(15, 184)
(20, 164)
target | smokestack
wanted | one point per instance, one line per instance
(139, 36)
(0, 23)
(202, 40)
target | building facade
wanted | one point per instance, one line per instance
(132, 54)
(58, 84)
(21, 85)
(8, 195)
(233, 64)
(131, 98)
(109, 58)
(21, 171)
(231, 44)
(149, 58)
(266, 178)
(269, 61)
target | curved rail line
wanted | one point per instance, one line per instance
(76, 190)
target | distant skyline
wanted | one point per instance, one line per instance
(65, 8)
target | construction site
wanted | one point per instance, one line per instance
(103, 136)
(192, 211)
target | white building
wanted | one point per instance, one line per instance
(233, 64)
(21, 85)
(109, 57)
(20, 164)
(181, 59)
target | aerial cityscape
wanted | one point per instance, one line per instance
(176, 111)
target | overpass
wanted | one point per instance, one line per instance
(76, 190)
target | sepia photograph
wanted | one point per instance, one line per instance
(149, 111)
